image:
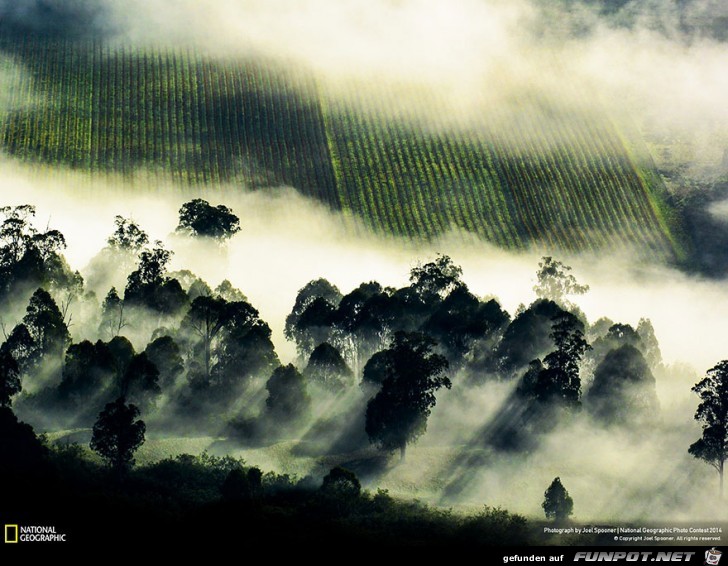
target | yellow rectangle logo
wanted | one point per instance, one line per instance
(11, 533)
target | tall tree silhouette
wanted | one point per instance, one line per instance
(117, 435)
(199, 218)
(559, 380)
(397, 415)
(557, 503)
(30, 258)
(149, 285)
(556, 282)
(712, 413)
(9, 378)
(288, 401)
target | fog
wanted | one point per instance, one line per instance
(650, 66)
(659, 64)
(287, 241)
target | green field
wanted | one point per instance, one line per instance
(202, 120)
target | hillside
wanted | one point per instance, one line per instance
(565, 178)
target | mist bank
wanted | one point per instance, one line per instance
(287, 240)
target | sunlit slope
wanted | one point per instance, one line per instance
(569, 181)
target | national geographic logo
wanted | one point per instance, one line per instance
(11, 534)
(15, 534)
(633, 556)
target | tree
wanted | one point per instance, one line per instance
(198, 289)
(555, 282)
(112, 314)
(623, 391)
(327, 367)
(314, 326)
(341, 482)
(397, 414)
(236, 486)
(650, 345)
(436, 279)
(377, 369)
(39, 342)
(617, 335)
(318, 288)
(231, 294)
(90, 375)
(527, 337)
(712, 413)
(127, 236)
(28, 257)
(122, 352)
(89, 371)
(22, 455)
(164, 353)
(140, 381)
(199, 218)
(244, 349)
(149, 286)
(46, 326)
(117, 259)
(117, 435)
(19, 344)
(557, 503)
(461, 320)
(240, 485)
(339, 491)
(287, 402)
(9, 378)
(361, 324)
(206, 318)
(559, 381)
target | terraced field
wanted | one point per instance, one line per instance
(205, 121)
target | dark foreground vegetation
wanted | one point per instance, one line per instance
(206, 500)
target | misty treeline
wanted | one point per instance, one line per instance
(371, 365)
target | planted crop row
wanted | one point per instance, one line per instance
(564, 181)
(567, 184)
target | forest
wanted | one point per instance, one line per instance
(86, 380)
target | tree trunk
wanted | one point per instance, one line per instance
(720, 471)
(404, 447)
(207, 358)
(208, 344)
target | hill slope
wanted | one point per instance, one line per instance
(200, 120)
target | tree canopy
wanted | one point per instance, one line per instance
(288, 401)
(199, 218)
(328, 368)
(623, 390)
(9, 378)
(30, 258)
(559, 380)
(397, 414)
(127, 236)
(149, 286)
(556, 282)
(117, 434)
(557, 504)
(712, 414)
